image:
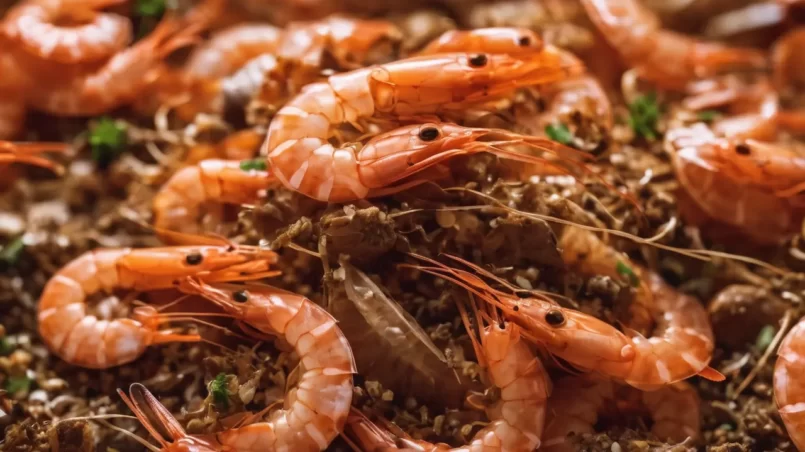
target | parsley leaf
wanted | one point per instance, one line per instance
(644, 113)
(108, 139)
(625, 271)
(559, 133)
(254, 164)
(219, 390)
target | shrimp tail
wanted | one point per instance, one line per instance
(708, 373)
(714, 58)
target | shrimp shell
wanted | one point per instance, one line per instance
(789, 384)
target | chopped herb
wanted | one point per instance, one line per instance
(765, 337)
(220, 393)
(149, 8)
(18, 384)
(5, 347)
(11, 252)
(559, 132)
(108, 139)
(625, 271)
(708, 115)
(644, 113)
(254, 164)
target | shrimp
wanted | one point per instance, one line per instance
(577, 401)
(668, 59)
(516, 420)
(788, 371)
(315, 411)
(387, 164)
(682, 347)
(91, 90)
(85, 340)
(35, 26)
(229, 50)
(750, 185)
(500, 40)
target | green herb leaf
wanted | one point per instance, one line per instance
(108, 139)
(5, 347)
(708, 115)
(625, 271)
(150, 8)
(559, 132)
(644, 113)
(764, 337)
(18, 384)
(220, 393)
(254, 164)
(11, 252)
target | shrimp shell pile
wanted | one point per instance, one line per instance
(431, 130)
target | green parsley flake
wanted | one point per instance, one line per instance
(108, 139)
(708, 115)
(18, 384)
(255, 164)
(10, 253)
(625, 271)
(559, 133)
(764, 337)
(150, 8)
(220, 393)
(644, 113)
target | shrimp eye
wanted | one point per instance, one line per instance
(555, 317)
(742, 149)
(524, 41)
(478, 60)
(194, 258)
(240, 296)
(428, 134)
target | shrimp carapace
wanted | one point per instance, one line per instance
(83, 339)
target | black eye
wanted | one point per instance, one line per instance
(478, 60)
(428, 134)
(241, 296)
(524, 41)
(743, 149)
(194, 259)
(554, 318)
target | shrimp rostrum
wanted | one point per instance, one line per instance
(681, 348)
(314, 412)
(83, 339)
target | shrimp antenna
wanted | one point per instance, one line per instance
(101, 418)
(142, 417)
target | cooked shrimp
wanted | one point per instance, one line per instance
(315, 411)
(681, 347)
(668, 59)
(750, 185)
(298, 137)
(36, 26)
(516, 420)
(230, 49)
(387, 164)
(85, 340)
(499, 40)
(788, 381)
(577, 402)
(788, 67)
(92, 90)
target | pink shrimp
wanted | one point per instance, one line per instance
(91, 90)
(35, 25)
(315, 411)
(230, 49)
(516, 420)
(681, 347)
(85, 340)
(577, 402)
(788, 382)
(752, 186)
(668, 59)
(387, 164)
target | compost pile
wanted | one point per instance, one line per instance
(588, 179)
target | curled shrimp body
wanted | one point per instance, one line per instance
(387, 164)
(788, 371)
(750, 185)
(516, 420)
(93, 89)
(500, 40)
(33, 25)
(298, 138)
(577, 402)
(88, 341)
(230, 49)
(682, 345)
(316, 410)
(669, 59)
